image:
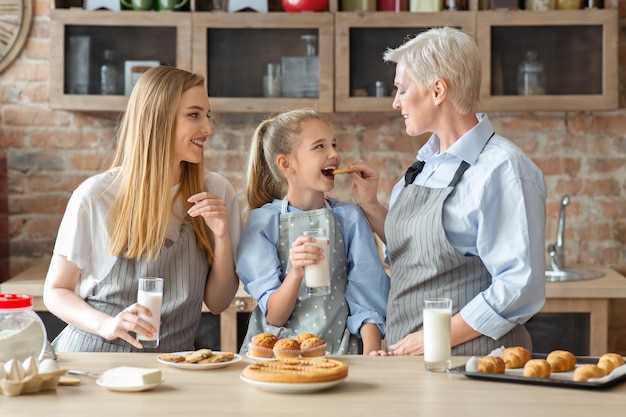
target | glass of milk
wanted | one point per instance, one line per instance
(437, 323)
(150, 295)
(317, 277)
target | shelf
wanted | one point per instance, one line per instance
(360, 41)
(135, 36)
(577, 47)
(233, 49)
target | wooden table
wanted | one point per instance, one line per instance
(375, 386)
(588, 296)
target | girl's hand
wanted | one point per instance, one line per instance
(381, 353)
(214, 211)
(412, 344)
(302, 254)
(128, 321)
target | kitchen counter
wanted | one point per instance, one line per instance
(587, 296)
(375, 386)
(30, 281)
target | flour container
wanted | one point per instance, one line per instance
(22, 333)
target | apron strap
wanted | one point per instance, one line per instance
(459, 173)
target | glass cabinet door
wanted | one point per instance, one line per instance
(98, 56)
(265, 62)
(554, 60)
(363, 81)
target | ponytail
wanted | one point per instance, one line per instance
(262, 185)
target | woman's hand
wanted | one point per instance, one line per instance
(214, 211)
(128, 321)
(302, 254)
(412, 344)
(364, 184)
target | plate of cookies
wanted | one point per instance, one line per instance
(199, 359)
(295, 375)
(557, 368)
(266, 347)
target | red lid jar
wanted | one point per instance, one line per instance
(22, 333)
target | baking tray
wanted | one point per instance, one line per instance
(560, 379)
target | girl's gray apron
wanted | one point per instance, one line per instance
(184, 268)
(424, 264)
(326, 315)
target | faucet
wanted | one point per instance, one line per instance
(556, 252)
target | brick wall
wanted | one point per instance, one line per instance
(44, 154)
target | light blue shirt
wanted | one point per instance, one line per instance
(259, 267)
(498, 212)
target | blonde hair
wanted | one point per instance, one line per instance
(446, 53)
(273, 137)
(139, 215)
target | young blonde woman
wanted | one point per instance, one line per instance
(156, 212)
(290, 170)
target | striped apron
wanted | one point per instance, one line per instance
(184, 268)
(424, 264)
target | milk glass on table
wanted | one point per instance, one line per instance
(437, 324)
(150, 295)
(317, 277)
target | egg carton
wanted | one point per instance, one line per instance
(31, 383)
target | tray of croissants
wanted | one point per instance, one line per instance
(557, 368)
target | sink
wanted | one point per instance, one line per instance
(572, 273)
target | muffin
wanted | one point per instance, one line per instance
(313, 346)
(302, 336)
(262, 344)
(287, 348)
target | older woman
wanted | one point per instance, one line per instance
(467, 221)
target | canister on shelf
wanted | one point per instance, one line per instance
(358, 5)
(531, 76)
(538, 5)
(380, 89)
(426, 5)
(568, 4)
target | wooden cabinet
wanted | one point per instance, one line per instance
(578, 49)
(233, 50)
(360, 41)
(79, 38)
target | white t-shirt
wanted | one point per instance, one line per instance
(83, 236)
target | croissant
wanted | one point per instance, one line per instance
(515, 357)
(491, 365)
(610, 361)
(584, 372)
(537, 368)
(561, 360)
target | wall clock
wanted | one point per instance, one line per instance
(15, 19)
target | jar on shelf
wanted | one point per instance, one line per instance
(392, 5)
(539, 5)
(109, 74)
(22, 333)
(426, 5)
(531, 79)
(568, 4)
(358, 5)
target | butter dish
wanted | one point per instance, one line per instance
(128, 378)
